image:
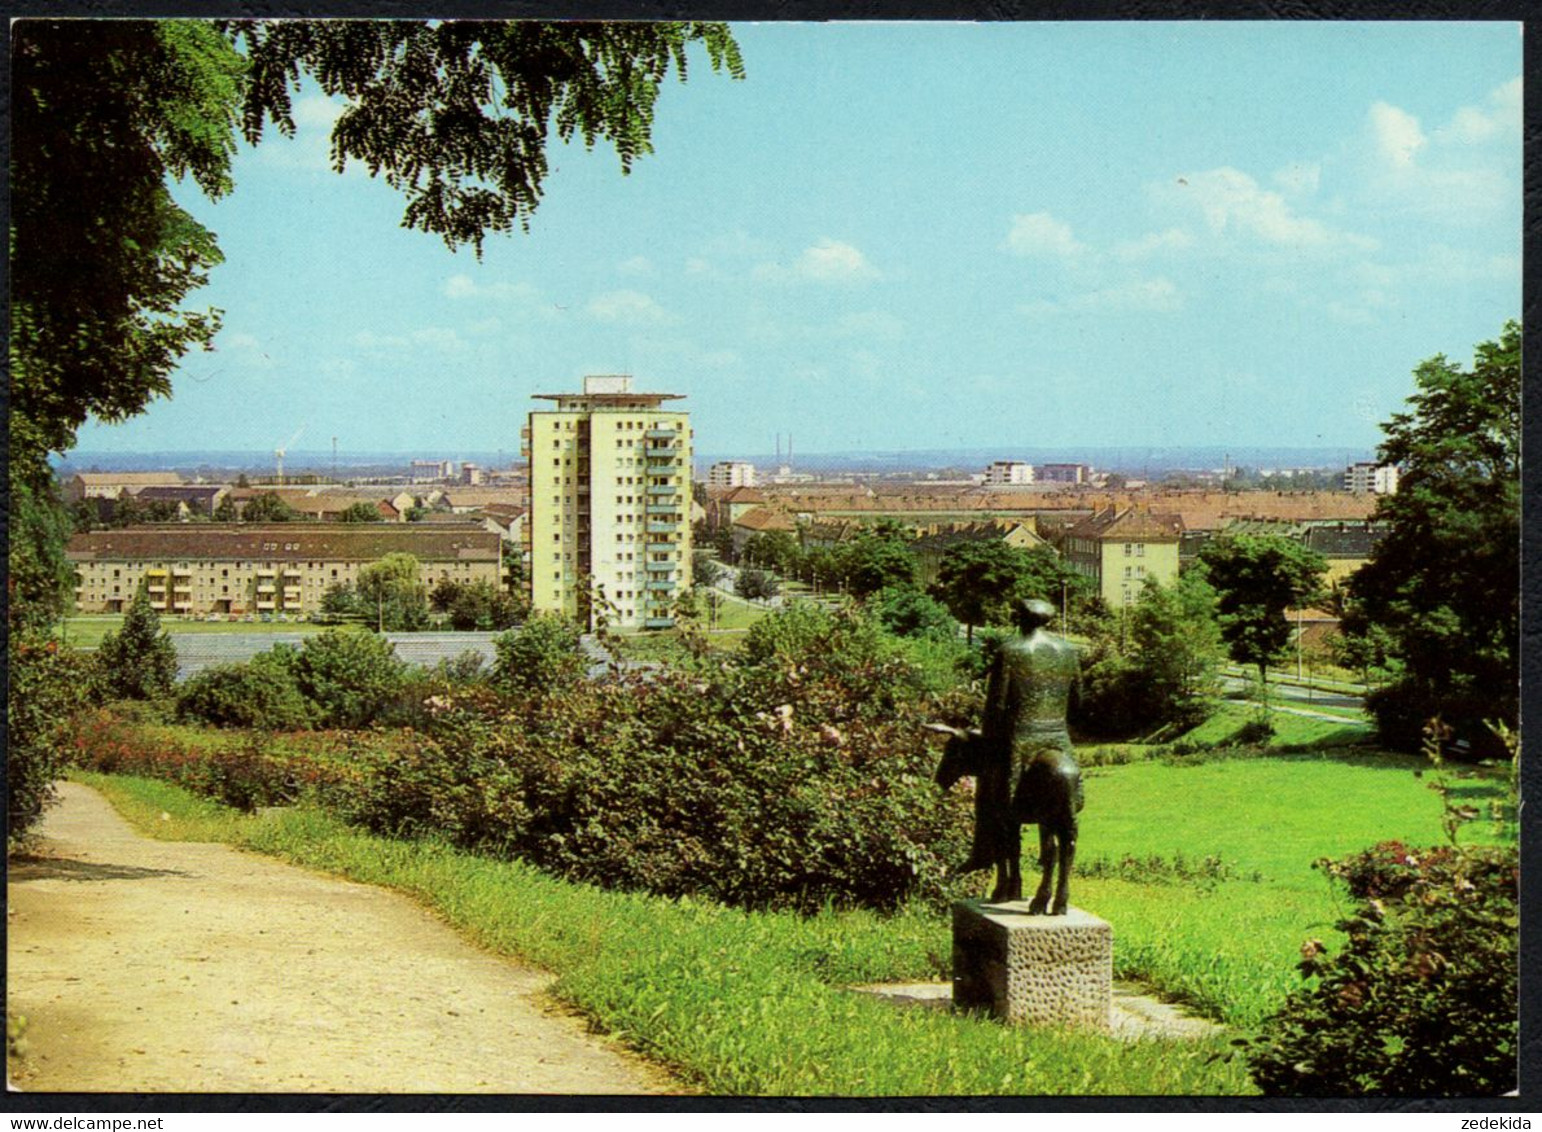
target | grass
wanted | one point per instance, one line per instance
(86, 632)
(735, 1003)
(1289, 730)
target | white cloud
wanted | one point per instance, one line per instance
(311, 147)
(629, 308)
(1156, 295)
(827, 261)
(637, 265)
(1397, 134)
(1167, 240)
(1234, 205)
(1040, 234)
(465, 287)
(1474, 125)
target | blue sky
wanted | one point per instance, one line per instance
(898, 236)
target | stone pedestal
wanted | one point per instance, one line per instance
(1042, 970)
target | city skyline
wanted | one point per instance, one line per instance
(911, 236)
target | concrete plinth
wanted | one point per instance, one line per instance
(1040, 970)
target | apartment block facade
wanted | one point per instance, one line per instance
(609, 504)
(1009, 472)
(731, 473)
(1119, 550)
(1370, 478)
(239, 568)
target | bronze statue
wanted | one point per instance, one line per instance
(1022, 763)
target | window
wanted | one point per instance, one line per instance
(1128, 550)
(1140, 550)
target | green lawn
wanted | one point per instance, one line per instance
(1289, 729)
(87, 631)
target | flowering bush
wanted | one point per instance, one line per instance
(1422, 999)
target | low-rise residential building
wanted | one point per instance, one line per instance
(1009, 472)
(1368, 477)
(932, 547)
(726, 507)
(110, 485)
(1119, 550)
(240, 568)
(731, 473)
(759, 520)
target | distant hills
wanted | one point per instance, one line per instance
(1131, 461)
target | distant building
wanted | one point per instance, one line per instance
(1371, 478)
(724, 506)
(110, 485)
(731, 473)
(759, 521)
(431, 470)
(239, 568)
(1064, 473)
(1121, 549)
(609, 503)
(471, 474)
(191, 499)
(1009, 472)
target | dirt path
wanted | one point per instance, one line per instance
(157, 966)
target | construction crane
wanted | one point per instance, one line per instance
(278, 453)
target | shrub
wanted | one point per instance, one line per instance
(350, 676)
(138, 662)
(263, 693)
(544, 653)
(1422, 999)
(47, 683)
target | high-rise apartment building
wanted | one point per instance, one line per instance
(1368, 477)
(1009, 472)
(609, 504)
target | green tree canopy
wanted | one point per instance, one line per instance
(360, 512)
(268, 507)
(1257, 578)
(980, 580)
(392, 590)
(138, 662)
(877, 559)
(1443, 586)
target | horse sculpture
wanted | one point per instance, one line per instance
(1022, 763)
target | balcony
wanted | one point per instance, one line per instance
(264, 603)
(663, 489)
(654, 528)
(659, 567)
(656, 584)
(665, 509)
(662, 434)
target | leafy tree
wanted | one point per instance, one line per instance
(138, 662)
(773, 550)
(1158, 668)
(341, 599)
(756, 585)
(105, 114)
(1256, 578)
(877, 559)
(1444, 584)
(981, 580)
(705, 569)
(40, 578)
(46, 684)
(483, 606)
(350, 675)
(226, 511)
(360, 512)
(393, 590)
(544, 654)
(443, 595)
(907, 612)
(269, 507)
(417, 513)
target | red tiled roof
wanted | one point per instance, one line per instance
(1127, 525)
(762, 519)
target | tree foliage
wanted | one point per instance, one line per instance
(544, 654)
(756, 585)
(1444, 584)
(1257, 578)
(360, 512)
(139, 661)
(269, 507)
(980, 580)
(392, 591)
(457, 115)
(1159, 667)
(105, 114)
(877, 559)
(349, 675)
